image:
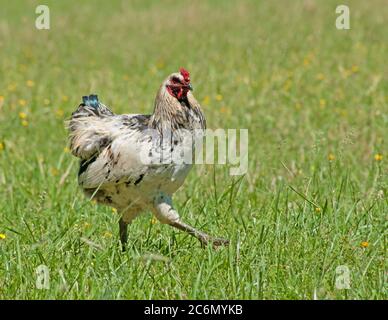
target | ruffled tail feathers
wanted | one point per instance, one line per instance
(91, 106)
(89, 127)
(88, 135)
(91, 100)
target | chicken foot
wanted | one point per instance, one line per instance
(166, 214)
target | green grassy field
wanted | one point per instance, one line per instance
(314, 99)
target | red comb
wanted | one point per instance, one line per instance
(185, 74)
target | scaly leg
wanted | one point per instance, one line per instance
(165, 213)
(123, 230)
(127, 215)
(204, 238)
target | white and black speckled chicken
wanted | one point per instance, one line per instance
(121, 154)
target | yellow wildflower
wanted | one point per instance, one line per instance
(287, 85)
(320, 76)
(307, 60)
(219, 97)
(364, 244)
(65, 98)
(331, 157)
(160, 64)
(1, 99)
(25, 123)
(322, 103)
(154, 220)
(318, 209)
(378, 157)
(59, 112)
(355, 68)
(30, 83)
(22, 102)
(107, 234)
(114, 210)
(66, 150)
(206, 100)
(11, 87)
(22, 115)
(54, 171)
(225, 110)
(1, 146)
(2, 236)
(86, 225)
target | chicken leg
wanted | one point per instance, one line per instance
(204, 238)
(165, 213)
(123, 232)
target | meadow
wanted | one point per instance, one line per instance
(312, 208)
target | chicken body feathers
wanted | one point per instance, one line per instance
(120, 159)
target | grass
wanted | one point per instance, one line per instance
(314, 99)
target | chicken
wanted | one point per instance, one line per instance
(123, 157)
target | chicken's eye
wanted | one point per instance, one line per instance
(175, 80)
